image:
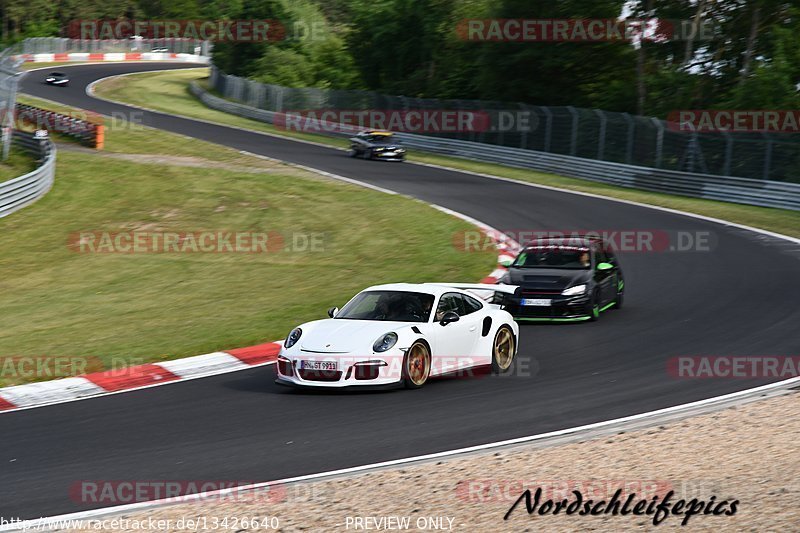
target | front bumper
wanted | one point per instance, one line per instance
(377, 370)
(287, 382)
(561, 308)
(390, 156)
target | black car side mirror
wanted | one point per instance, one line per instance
(450, 316)
(332, 311)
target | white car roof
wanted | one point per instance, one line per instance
(426, 288)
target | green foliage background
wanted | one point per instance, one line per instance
(750, 60)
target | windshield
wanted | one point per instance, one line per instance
(381, 139)
(554, 256)
(388, 306)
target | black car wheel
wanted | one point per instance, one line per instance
(352, 152)
(619, 299)
(594, 307)
(368, 153)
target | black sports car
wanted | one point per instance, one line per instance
(564, 279)
(377, 145)
(57, 78)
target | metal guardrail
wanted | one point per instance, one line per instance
(84, 126)
(19, 192)
(730, 189)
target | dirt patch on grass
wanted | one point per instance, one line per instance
(257, 166)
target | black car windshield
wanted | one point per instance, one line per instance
(57, 74)
(397, 306)
(554, 256)
(381, 139)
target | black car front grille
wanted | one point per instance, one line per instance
(320, 375)
(559, 308)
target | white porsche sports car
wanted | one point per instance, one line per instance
(400, 335)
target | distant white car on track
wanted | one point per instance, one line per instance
(401, 335)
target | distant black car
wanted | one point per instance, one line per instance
(565, 279)
(377, 145)
(57, 78)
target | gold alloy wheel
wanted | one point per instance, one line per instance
(418, 364)
(503, 348)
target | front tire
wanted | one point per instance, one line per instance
(368, 154)
(416, 366)
(594, 307)
(503, 349)
(619, 299)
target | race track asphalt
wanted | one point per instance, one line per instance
(739, 299)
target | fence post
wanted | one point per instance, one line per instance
(629, 146)
(692, 150)
(279, 99)
(573, 141)
(601, 141)
(726, 166)
(7, 120)
(659, 141)
(767, 156)
(523, 139)
(548, 128)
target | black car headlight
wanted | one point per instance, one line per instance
(385, 342)
(292, 338)
(574, 291)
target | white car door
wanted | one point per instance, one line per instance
(455, 341)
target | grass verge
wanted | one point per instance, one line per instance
(18, 164)
(141, 307)
(168, 92)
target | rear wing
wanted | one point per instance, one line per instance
(494, 294)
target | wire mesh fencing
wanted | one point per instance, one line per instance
(565, 130)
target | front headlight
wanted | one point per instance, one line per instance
(293, 337)
(385, 342)
(574, 291)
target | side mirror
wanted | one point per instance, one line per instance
(604, 266)
(450, 316)
(332, 311)
(506, 262)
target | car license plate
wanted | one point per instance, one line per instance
(318, 365)
(539, 302)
